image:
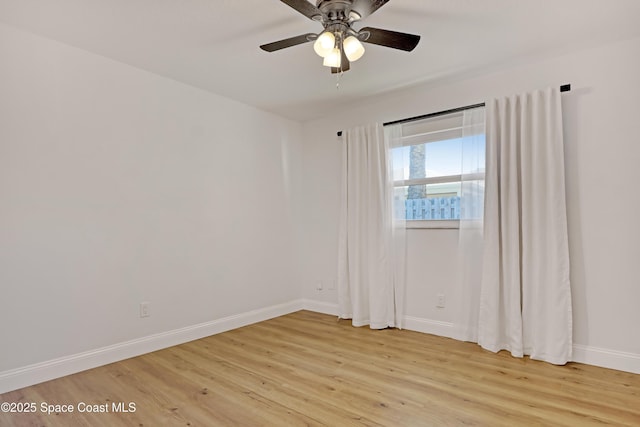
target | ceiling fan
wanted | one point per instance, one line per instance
(339, 44)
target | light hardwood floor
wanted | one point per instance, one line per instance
(310, 369)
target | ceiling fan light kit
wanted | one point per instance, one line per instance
(339, 44)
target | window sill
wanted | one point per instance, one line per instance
(433, 223)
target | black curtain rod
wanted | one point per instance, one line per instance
(563, 88)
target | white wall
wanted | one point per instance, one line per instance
(602, 135)
(118, 186)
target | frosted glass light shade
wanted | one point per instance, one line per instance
(353, 48)
(325, 44)
(334, 59)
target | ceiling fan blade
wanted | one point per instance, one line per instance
(393, 39)
(293, 41)
(345, 65)
(365, 8)
(305, 8)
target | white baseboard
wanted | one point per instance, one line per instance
(51, 369)
(428, 326)
(612, 359)
(320, 307)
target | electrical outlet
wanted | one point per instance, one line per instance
(319, 285)
(440, 302)
(144, 309)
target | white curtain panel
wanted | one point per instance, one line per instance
(369, 289)
(525, 299)
(393, 137)
(470, 239)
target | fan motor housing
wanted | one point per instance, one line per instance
(335, 10)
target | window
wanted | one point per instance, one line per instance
(428, 170)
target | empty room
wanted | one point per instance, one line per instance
(331, 212)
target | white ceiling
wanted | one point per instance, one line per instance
(213, 44)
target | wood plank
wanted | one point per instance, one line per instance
(310, 369)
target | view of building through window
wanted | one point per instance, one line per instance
(428, 169)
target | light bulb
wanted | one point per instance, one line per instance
(334, 59)
(353, 48)
(325, 43)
